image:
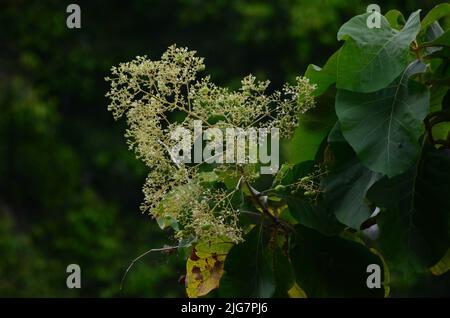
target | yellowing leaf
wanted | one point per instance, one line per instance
(442, 266)
(387, 274)
(204, 267)
(297, 292)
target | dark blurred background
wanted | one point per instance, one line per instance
(69, 188)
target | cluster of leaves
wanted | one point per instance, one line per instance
(392, 131)
(365, 180)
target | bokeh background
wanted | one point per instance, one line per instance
(69, 188)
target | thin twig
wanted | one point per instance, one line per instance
(163, 249)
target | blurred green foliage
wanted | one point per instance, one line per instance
(69, 188)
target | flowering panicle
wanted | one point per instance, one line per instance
(153, 94)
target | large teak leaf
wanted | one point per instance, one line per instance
(414, 228)
(384, 127)
(438, 12)
(349, 188)
(324, 77)
(249, 268)
(332, 266)
(371, 58)
(346, 185)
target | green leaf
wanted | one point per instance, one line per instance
(437, 94)
(443, 40)
(335, 135)
(395, 18)
(414, 228)
(443, 53)
(438, 12)
(323, 77)
(313, 127)
(332, 266)
(434, 31)
(439, 74)
(313, 215)
(345, 190)
(441, 131)
(384, 127)
(314, 124)
(249, 268)
(372, 58)
(284, 273)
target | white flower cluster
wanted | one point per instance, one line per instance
(157, 96)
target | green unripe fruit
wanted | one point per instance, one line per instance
(305, 179)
